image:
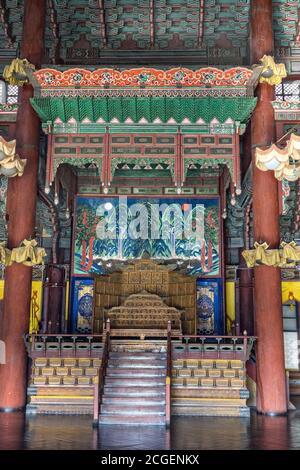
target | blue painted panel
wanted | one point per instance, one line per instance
(82, 295)
(209, 307)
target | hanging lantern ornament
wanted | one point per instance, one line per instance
(293, 146)
(272, 158)
(284, 162)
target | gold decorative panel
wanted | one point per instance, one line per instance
(176, 290)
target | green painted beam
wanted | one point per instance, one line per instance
(122, 109)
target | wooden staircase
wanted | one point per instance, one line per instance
(134, 387)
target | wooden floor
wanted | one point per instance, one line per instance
(18, 431)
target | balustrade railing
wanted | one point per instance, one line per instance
(214, 346)
(99, 385)
(63, 345)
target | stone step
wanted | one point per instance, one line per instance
(132, 420)
(213, 392)
(211, 411)
(122, 372)
(140, 363)
(134, 391)
(204, 402)
(132, 409)
(137, 355)
(294, 382)
(134, 381)
(294, 374)
(295, 390)
(138, 349)
(133, 400)
(60, 390)
(55, 400)
(70, 409)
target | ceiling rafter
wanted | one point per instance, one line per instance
(298, 28)
(54, 29)
(102, 23)
(201, 22)
(4, 20)
(152, 25)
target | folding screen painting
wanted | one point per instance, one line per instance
(121, 228)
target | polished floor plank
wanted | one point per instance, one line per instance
(18, 431)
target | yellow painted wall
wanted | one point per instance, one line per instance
(36, 302)
(36, 305)
(230, 305)
(1, 289)
(290, 291)
(67, 300)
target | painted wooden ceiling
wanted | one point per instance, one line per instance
(125, 31)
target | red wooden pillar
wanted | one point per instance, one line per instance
(246, 299)
(271, 386)
(21, 208)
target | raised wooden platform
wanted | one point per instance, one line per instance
(209, 387)
(208, 377)
(62, 385)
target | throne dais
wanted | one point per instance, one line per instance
(144, 314)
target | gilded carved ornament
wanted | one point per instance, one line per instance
(28, 253)
(287, 256)
(271, 73)
(16, 73)
(4, 254)
(261, 255)
(10, 163)
(290, 253)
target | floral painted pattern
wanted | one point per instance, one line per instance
(135, 77)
